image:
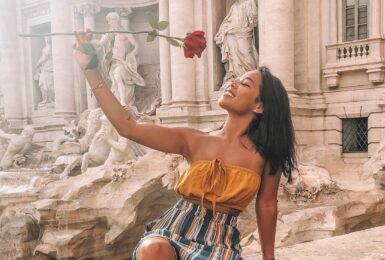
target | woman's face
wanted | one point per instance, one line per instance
(242, 95)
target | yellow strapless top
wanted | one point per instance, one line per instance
(232, 186)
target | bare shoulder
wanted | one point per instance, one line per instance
(193, 135)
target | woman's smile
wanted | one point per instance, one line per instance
(228, 93)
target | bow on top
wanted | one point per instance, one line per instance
(215, 181)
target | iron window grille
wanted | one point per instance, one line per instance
(355, 135)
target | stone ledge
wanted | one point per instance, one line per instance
(367, 244)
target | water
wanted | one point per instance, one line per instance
(18, 182)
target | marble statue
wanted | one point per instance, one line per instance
(44, 74)
(72, 133)
(18, 147)
(236, 39)
(99, 147)
(98, 150)
(92, 127)
(120, 61)
(121, 152)
(124, 150)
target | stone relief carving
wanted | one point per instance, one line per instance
(20, 150)
(236, 39)
(44, 74)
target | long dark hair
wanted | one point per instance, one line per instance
(272, 131)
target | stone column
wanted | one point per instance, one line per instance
(62, 60)
(383, 19)
(164, 53)
(124, 14)
(89, 11)
(375, 18)
(277, 44)
(183, 70)
(333, 24)
(10, 67)
(80, 81)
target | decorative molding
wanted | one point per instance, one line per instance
(125, 3)
(33, 9)
(87, 9)
(356, 55)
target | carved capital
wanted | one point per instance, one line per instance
(87, 9)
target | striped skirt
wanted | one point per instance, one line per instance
(196, 233)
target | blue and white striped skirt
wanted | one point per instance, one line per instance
(196, 233)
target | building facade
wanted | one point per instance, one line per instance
(329, 54)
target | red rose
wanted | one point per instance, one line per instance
(194, 43)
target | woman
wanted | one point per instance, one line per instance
(228, 167)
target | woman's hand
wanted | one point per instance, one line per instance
(84, 52)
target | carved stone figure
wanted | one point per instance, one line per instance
(120, 61)
(121, 152)
(98, 150)
(99, 147)
(236, 39)
(124, 150)
(67, 153)
(92, 127)
(72, 133)
(44, 73)
(18, 147)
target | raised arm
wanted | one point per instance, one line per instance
(5, 135)
(171, 140)
(266, 211)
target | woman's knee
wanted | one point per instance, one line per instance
(155, 248)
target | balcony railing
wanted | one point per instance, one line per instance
(355, 51)
(367, 55)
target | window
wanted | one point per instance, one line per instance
(355, 135)
(356, 20)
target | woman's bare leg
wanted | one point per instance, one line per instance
(155, 248)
